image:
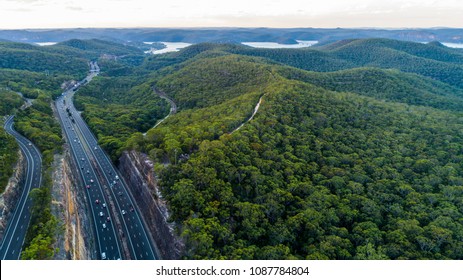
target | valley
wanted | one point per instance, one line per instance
(349, 149)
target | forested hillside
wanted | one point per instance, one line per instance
(115, 108)
(9, 101)
(357, 158)
(391, 85)
(8, 157)
(38, 59)
(93, 49)
(41, 73)
(340, 162)
(437, 62)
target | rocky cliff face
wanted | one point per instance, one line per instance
(76, 241)
(137, 170)
(10, 197)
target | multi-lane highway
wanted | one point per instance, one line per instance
(17, 227)
(120, 230)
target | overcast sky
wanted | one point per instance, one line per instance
(230, 13)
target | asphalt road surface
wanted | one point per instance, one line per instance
(119, 229)
(16, 230)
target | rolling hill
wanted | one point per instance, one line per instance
(359, 158)
(355, 151)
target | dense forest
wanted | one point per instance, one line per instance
(116, 108)
(340, 162)
(8, 157)
(355, 151)
(320, 175)
(8, 146)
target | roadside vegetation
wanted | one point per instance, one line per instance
(8, 146)
(355, 152)
(8, 157)
(38, 73)
(319, 173)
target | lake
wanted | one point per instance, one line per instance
(453, 45)
(170, 47)
(45, 43)
(273, 45)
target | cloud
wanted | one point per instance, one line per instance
(74, 8)
(24, 1)
(19, 10)
(386, 18)
(203, 13)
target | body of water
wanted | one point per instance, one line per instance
(45, 43)
(170, 47)
(453, 45)
(273, 45)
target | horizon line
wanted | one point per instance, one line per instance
(231, 27)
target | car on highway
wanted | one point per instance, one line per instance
(101, 214)
(91, 181)
(87, 186)
(103, 256)
(117, 177)
(104, 204)
(123, 212)
(104, 225)
(97, 201)
(108, 219)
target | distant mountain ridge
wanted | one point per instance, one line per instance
(223, 35)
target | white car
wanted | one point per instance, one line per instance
(103, 256)
(104, 225)
(104, 204)
(101, 214)
(123, 212)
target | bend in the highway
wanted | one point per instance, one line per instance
(16, 230)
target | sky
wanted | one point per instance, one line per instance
(19, 14)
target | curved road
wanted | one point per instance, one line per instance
(120, 230)
(15, 232)
(173, 108)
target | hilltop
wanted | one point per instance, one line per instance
(349, 160)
